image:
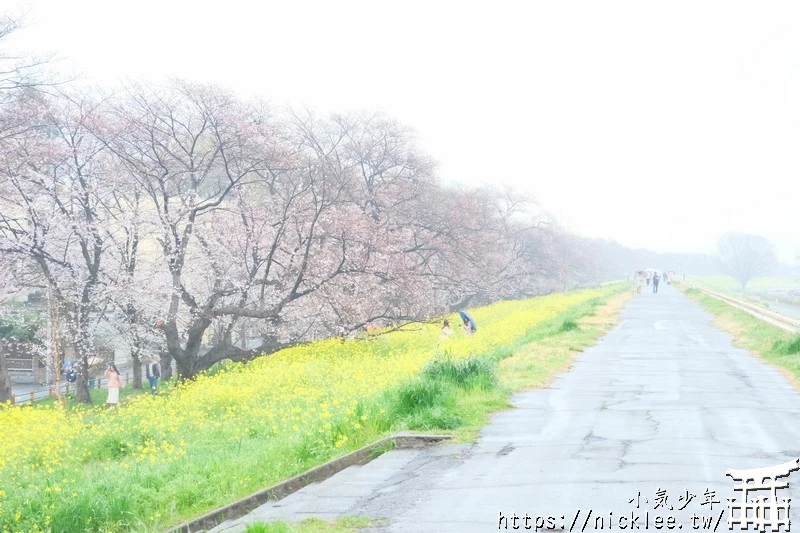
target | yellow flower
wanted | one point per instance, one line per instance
(244, 414)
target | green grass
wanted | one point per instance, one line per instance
(380, 450)
(772, 344)
(465, 373)
(730, 284)
(100, 395)
(549, 354)
(789, 346)
(457, 396)
(569, 325)
(310, 525)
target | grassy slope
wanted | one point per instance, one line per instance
(99, 396)
(772, 344)
(538, 358)
(130, 468)
(537, 363)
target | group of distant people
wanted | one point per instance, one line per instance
(113, 377)
(467, 323)
(649, 279)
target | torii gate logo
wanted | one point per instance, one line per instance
(761, 512)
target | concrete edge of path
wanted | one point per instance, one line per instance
(362, 456)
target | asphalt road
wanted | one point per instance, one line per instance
(663, 402)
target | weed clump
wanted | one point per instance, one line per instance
(788, 347)
(465, 373)
(569, 325)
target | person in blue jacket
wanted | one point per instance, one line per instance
(469, 324)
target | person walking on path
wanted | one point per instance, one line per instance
(114, 384)
(153, 372)
(655, 283)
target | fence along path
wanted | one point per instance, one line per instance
(45, 391)
(784, 322)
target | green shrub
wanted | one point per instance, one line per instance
(788, 347)
(110, 447)
(569, 325)
(471, 372)
(793, 346)
(436, 417)
(419, 394)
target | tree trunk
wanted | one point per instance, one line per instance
(187, 367)
(80, 343)
(189, 362)
(5, 380)
(82, 383)
(166, 365)
(136, 361)
(187, 358)
(136, 345)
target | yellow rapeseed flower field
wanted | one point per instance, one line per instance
(161, 458)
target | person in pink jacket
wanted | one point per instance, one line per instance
(114, 384)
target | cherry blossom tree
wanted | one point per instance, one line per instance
(208, 227)
(288, 224)
(190, 150)
(55, 189)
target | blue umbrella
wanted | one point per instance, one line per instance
(466, 317)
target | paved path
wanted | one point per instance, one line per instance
(662, 402)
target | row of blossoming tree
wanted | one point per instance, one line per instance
(184, 213)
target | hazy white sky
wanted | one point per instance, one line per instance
(658, 124)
